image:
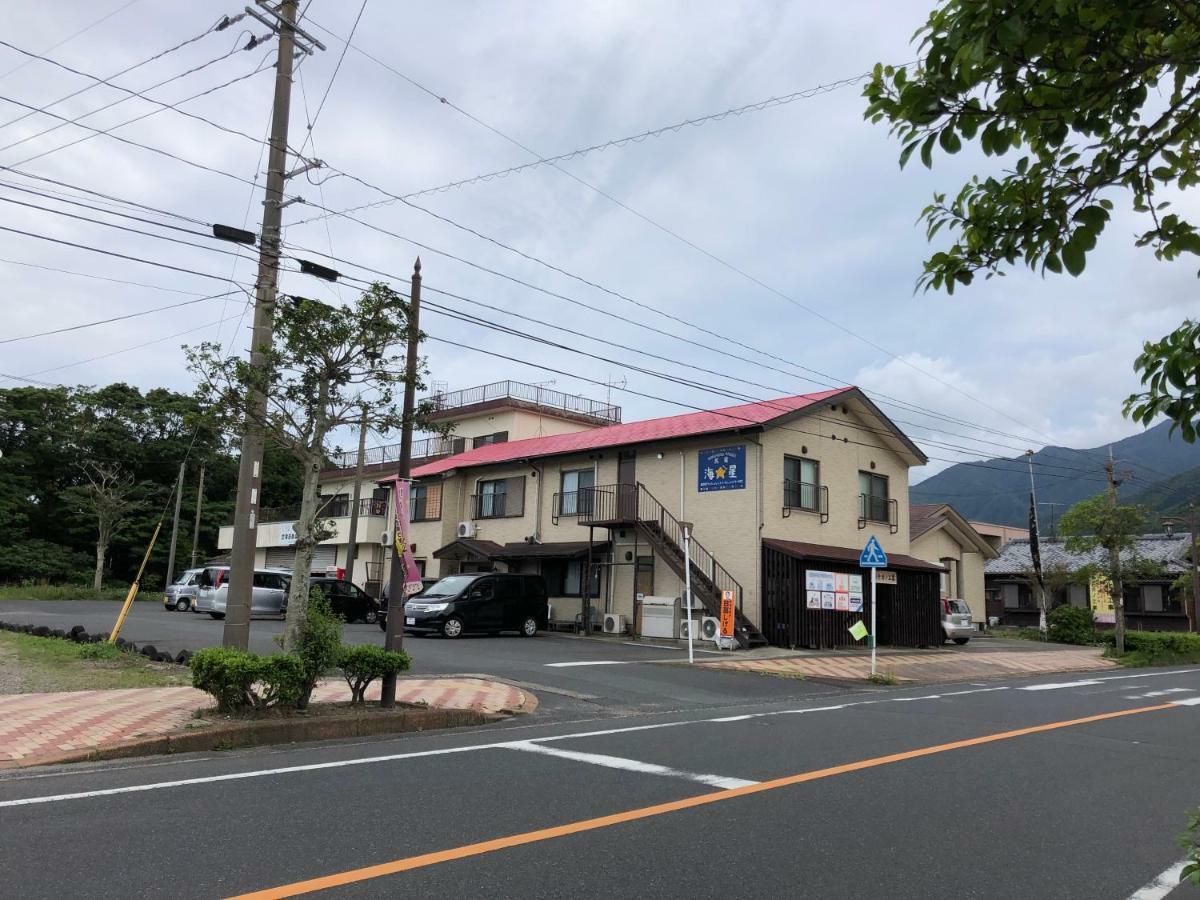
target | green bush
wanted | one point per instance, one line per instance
(1156, 648)
(1071, 625)
(100, 651)
(240, 680)
(319, 643)
(362, 664)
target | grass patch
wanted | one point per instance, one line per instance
(54, 664)
(69, 592)
(1155, 648)
(883, 678)
(1138, 659)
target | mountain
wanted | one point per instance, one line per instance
(1168, 497)
(998, 490)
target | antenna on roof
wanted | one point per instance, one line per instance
(614, 382)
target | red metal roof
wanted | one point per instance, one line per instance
(686, 425)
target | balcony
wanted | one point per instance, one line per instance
(592, 411)
(569, 504)
(423, 450)
(806, 497)
(497, 506)
(881, 510)
(339, 508)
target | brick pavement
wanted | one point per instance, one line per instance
(36, 725)
(928, 666)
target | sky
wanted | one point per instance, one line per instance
(790, 230)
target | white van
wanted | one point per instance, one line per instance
(268, 598)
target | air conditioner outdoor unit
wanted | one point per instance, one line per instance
(385, 539)
(466, 529)
(614, 624)
(687, 624)
(710, 628)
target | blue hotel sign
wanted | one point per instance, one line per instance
(722, 469)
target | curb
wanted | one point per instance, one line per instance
(286, 731)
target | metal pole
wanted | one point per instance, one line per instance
(245, 522)
(1195, 569)
(874, 641)
(687, 590)
(175, 526)
(196, 527)
(394, 638)
(352, 549)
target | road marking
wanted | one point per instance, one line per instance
(669, 647)
(630, 765)
(1058, 686)
(1162, 693)
(467, 851)
(1190, 701)
(595, 662)
(1166, 882)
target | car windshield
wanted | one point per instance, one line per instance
(448, 586)
(959, 606)
(188, 577)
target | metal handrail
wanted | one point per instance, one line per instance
(532, 393)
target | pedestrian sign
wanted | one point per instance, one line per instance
(872, 556)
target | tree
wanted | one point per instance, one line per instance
(109, 496)
(1101, 95)
(1102, 524)
(1056, 577)
(327, 365)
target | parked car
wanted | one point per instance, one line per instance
(348, 600)
(956, 621)
(426, 584)
(489, 603)
(180, 595)
(268, 597)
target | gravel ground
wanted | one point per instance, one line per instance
(10, 677)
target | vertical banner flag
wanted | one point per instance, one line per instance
(1035, 550)
(412, 575)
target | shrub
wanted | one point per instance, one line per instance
(228, 674)
(283, 682)
(1071, 625)
(1156, 648)
(319, 642)
(362, 664)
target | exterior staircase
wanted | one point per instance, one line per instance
(632, 505)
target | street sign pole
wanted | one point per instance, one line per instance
(687, 581)
(873, 641)
(874, 558)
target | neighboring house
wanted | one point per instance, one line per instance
(999, 535)
(1150, 603)
(782, 495)
(939, 534)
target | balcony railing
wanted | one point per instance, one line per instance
(335, 509)
(805, 496)
(872, 508)
(530, 393)
(423, 449)
(497, 506)
(572, 503)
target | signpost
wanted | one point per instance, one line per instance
(873, 558)
(687, 589)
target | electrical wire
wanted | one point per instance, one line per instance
(84, 30)
(109, 197)
(332, 78)
(141, 284)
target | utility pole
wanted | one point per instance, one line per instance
(175, 525)
(1041, 585)
(196, 529)
(1114, 560)
(1191, 607)
(394, 639)
(245, 522)
(352, 549)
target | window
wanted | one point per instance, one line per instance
(483, 440)
(801, 483)
(335, 506)
(564, 578)
(1152, 597)
(425, 502)
(576, 494)
(270, 581)
(872, 497)
(500, 498)
(1017, 596)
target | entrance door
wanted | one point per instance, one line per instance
(644, 581)
(627, 485)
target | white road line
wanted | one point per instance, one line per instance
(669, 647)
(1190, 701)
(1162, 693)
(1058, 686)
(594, 662)
(1166, 882)
(630, 765)
(1151, 674)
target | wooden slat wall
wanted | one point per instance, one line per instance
(909, 612)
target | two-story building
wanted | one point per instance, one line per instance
(779, 496)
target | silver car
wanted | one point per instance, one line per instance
(268, 598)
(956, 621)
(182, 594)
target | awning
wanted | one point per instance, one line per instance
(846, 555)
(469, 550)
(560, 550)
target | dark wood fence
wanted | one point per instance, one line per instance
(909, 611)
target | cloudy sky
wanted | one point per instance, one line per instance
(804, 198)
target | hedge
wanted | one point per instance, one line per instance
(1158, 643)
(240, 680)
(1071, 625)
(364, 663)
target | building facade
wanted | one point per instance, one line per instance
(940, 535)
(599, 508)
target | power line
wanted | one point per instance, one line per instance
(332, 78)
(115, 200)
(712, 256)
(72, 36)
(142, 284)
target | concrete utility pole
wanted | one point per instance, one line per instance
(352, 547)
(394, 639)
(1195, 570)
(245, 522)
(196, 529)
(175, 526)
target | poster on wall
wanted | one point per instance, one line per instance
(842, 602)
(721, 469)
(841, 583)
(814, 599)
(816, 580)
(828, 599)
(856, 603)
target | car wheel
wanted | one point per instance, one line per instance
(370, 617)
(961, 641)
(217, 615)
(452, 628)
(182, 604)
(529, 626)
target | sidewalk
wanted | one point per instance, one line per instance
(928, 665)
(35, 726)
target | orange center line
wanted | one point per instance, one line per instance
(423, 860)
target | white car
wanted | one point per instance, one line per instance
(956, 621)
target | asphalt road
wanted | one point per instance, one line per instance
(1067, 787)
(572, 676)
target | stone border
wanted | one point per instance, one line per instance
(79, 635)
(241, 734)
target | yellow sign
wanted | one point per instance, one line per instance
(1102, 601)
(858, 630)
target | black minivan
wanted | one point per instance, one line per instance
(490, 603)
